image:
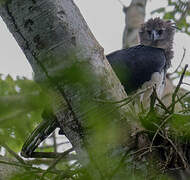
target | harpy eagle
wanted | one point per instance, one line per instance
(146, 64)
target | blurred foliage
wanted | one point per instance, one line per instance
(21, 105)
(27, 98)
(2, 2)
(179, 12)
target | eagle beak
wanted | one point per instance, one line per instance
(154, 35)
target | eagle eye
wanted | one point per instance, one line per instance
(149, 32)
(160, 32)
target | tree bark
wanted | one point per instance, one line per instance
(53, 36)
(134, 17)
(6, 169)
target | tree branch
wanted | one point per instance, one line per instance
(177, 88)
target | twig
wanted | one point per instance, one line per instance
(45, 155)
(124, 157)
(142, 149)
(157, 131)
(186, 83)
(153, 99)
(68, 157)
(161, 103)
(182, 59)
(179, 100)
(177, 88)
(184, 12)
(24, 166)
(168, 159)
(142, 154)
(56, 161)
(13, 153)
(121, 3)
(132, 97)
(174, 146)
(49, 154)
(125, 99)
(187, 93)
(54, 142)
(50, 146)
(59, 158)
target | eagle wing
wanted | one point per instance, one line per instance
(138, 66)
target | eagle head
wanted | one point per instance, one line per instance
(157, 33)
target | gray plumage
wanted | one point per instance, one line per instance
(135, 65)
(159, 34)
(147, 62)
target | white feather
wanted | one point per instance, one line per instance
(157, 81)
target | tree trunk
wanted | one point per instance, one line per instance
(54, 37)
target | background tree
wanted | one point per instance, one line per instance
(134, 17)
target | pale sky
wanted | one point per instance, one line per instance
(105, 19)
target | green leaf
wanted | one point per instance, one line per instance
(21, 104)
(179, 126)
(151, 120)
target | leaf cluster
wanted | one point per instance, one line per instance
(21, 104)
(179, 12)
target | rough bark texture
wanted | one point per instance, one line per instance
(50, 33)
(6, 170)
